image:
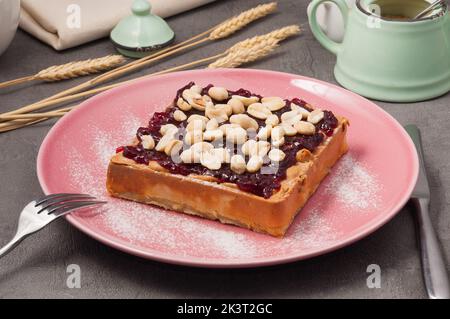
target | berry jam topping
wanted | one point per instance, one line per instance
(298, 102)
(263, 183)
(136, 153)
(244, 93)
(328, 124)
(180, 91)
(206, 89)
(120, 149)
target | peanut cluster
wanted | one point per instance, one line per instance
(232, 119)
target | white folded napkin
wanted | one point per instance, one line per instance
(56, 22)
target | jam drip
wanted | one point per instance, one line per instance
(263, 183)
(180, 91)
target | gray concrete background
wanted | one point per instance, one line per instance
(37, 268)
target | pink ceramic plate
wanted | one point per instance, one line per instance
(366, 188)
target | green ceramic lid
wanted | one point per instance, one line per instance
(141, 32)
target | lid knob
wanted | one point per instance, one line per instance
(141, 7)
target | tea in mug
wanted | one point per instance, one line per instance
(398, 9)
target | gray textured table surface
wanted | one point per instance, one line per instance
(37, 268)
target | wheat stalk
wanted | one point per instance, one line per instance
(79, 68)
(223, 60)
(224, 29)
(250, 51)
(245, 51)
(238, 57)
(71, 70)
(34, 116)
(279, 34)
(236, 23)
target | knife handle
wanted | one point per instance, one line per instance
(414, 133)
(433, 264)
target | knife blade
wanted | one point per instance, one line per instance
(422, 189)
(433, 265)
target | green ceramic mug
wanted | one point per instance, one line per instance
(387, 59)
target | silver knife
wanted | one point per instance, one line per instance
(433, 263)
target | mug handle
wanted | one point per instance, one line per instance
(326, 42)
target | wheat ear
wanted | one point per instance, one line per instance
(223, 30)
(79, 68)
(251, 49)
(71, 70)
(236, 23)
(236, 58)
(279, 34)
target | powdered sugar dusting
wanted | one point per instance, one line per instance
(150, 228)
(353, 185)
(130, 126)
(101, 145)
(314, 231)
(102, 141)
(82, 178)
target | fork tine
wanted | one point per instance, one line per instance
(59, 200)
(54, 197)
(65, 208)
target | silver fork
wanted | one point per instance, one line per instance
(39, 213)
